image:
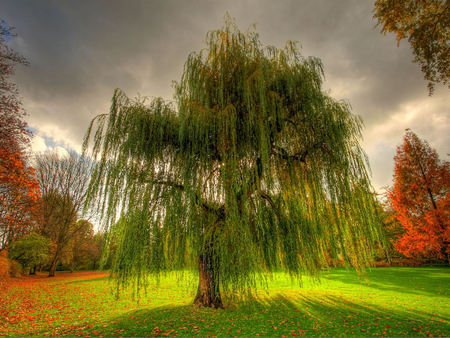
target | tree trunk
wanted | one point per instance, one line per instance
(208, 293)
(52, 271)
(33, 270)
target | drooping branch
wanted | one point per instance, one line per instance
(267, 198)
(254, 166)
(282, 153)
(180, 187)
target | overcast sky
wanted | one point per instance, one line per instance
(80, 51)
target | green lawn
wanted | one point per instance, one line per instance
(392, 302)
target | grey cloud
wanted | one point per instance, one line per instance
(80, 51)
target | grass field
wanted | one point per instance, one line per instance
(392, 302)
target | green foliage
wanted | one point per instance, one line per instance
(30, 250)
(253, 166)
(393, 230)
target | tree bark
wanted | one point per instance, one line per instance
(208, 293)
(52, 271)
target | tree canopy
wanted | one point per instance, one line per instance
(252, 168)
(420, 198)
(30, 250)
(13, 131)
(426, 25)
(18, 187)
(64, 182)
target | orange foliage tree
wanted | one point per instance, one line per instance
(18, 188)
(19, 192)
(84, 250)
(420, 198)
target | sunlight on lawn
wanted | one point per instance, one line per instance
(391, 302)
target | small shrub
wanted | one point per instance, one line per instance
(383, 264)
(15, 268)
(411, 262)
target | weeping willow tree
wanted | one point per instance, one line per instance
(251, 169)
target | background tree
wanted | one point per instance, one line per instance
(108, 250)
(421, 199)
(19, 193)
(12, 125)
(63, 181)
(83, 250)
(18, 187)
(30, 251)
(256, 170)
(426, 25)
(96, 249)
(393, 230)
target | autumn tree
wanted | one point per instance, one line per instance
(95, 249)
(63, 181)
(84, 249)
(18, 188)
(421, 199)
(19, 193)
(426, 25)
(252, 168)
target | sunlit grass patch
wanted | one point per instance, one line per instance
(391, 302)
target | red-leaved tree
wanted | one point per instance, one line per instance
(19, 189)
(421, 199)
(19, 192)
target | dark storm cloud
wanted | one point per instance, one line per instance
(80, 51)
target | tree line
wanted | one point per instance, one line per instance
(41, 195)
(53, 229)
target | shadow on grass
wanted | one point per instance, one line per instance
(301, 314)
(100, 278)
